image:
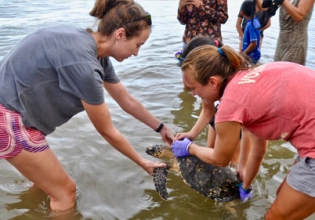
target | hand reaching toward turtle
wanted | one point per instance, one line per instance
(149, 166)
(167, 135)
(181, 136)
(180, 148)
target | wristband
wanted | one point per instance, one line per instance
(246, 190)
(159, 128)
(187, 148)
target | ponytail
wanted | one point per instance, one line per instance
(114, 14)
(207, 61)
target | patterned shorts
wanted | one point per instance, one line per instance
(14, 136)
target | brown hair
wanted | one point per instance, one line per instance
(196, 42)
(114, 14)
(208, 60)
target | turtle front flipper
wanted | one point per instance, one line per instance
(159, 180)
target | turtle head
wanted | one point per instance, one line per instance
(160, 151)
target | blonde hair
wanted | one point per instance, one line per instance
(114, 14)
(206, 61)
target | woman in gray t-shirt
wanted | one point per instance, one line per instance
(56, 72)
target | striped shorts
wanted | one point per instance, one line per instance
(14, 136)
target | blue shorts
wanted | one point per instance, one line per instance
(302, 176)
(14, 136)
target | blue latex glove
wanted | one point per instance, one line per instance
(180, 148)
(245, 194)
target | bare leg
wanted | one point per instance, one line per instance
(47, 173)
(290, 204)
(279, 188)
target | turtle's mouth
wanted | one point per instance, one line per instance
(148, 150)
(154, 151)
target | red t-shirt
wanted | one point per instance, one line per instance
(274, 101)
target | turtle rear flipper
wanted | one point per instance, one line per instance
(159, 180)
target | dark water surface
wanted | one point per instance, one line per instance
(110, 185)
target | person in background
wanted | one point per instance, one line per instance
(278, 111)
(264, 20)
(251, 37)
(67, 73)
(294, 18)
(202, 18)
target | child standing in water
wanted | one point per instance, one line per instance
(251, 37)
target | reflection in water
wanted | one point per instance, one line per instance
(186, 111)
(34, 204)
(31, 199)
(186, 115)
(195, 205)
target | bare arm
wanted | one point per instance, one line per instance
(132, 106)
(298, 13)
(181, 6)
(240, 32)
(250, 47)
(205, 116)
(239, 26)
(245, 147)
(267, 25)
(227, 139)
(101, 119)
(256, 155)
(259, 5)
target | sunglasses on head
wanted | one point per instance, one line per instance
(147, 19)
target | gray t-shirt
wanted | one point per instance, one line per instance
(49, 72)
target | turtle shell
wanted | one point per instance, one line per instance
(218, 183)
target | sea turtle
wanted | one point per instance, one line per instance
(218, 183)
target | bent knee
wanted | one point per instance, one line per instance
(65, 198)
(70, 190)
(270, 215)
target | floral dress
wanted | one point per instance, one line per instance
(204, 21)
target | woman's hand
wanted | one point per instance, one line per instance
(181, 6)
(196, 3)
(181, 136)
(167, 135)
(149, 166)
(180, 148)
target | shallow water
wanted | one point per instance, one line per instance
(110, 185)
